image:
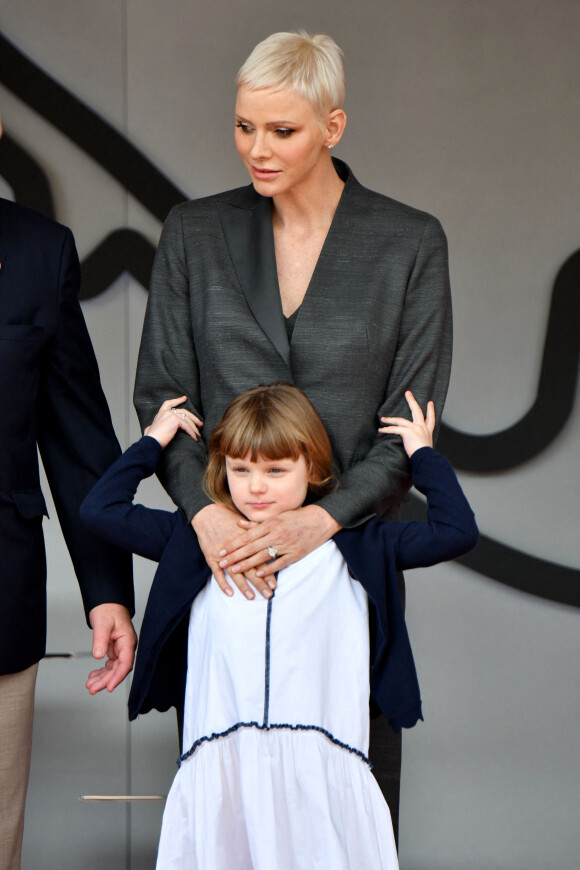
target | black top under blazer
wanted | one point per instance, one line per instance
(375, 321)
(50, 396)
(374, 551)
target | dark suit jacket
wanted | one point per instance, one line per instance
(375, 321)
(50, 396)
(374, 552)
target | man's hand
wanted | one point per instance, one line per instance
(114, 637)
(216, 526)
(293, 534)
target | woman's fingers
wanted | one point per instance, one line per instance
(263, 587)
(214, 526)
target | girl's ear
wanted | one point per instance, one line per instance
(313, 477)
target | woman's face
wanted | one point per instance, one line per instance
(279, 138)
(263, 489)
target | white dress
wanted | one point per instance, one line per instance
(274, 774)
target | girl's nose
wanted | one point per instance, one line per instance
(257, 483)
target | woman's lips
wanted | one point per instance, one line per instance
(263, 174)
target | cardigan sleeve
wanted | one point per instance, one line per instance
(450, 529)
(109, 511)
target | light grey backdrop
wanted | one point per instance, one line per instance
(467, 109)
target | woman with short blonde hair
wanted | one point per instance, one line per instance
(304, 276)
(310, 65)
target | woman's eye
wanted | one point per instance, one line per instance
(245, 128)
(283, 132)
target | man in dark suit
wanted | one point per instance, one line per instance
(50, 397)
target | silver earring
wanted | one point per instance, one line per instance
(330, 146)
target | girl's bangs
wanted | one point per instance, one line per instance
(267, 440)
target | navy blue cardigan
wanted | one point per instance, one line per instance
(374, 552)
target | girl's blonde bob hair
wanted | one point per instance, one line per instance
(310, 65)
(276, 421)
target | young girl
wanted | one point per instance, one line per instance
(274, 771)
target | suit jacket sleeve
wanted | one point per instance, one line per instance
(422, 364)
(77, 442)
(168, 368)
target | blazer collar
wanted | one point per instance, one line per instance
(247, 225)
(246, 219)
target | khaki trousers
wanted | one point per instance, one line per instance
(16, 715)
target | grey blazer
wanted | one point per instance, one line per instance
(375, 321)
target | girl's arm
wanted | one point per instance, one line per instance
(108, 509)
(450, 529)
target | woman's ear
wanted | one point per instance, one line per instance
(335, 127)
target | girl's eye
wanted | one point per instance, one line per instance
(277, 470)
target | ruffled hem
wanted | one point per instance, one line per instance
(279, 798)
(271, 727)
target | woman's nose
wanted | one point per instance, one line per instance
(260, 148)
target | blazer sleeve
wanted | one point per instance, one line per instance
(450, 529)
(167, 367)
(108, 509)
(77, 441)
(422, 364)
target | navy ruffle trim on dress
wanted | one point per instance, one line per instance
(277, 727)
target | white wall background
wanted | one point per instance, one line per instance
(467, 109)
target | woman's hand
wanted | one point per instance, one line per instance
(215, 526)
(293, 534)
(170, 418)
(416, 433)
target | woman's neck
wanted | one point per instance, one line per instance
(312, 205)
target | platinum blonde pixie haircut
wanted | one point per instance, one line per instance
(309, 64)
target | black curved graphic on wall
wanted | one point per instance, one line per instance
(121, 251)
(27, 179)
(513, 567)
(127, 250)
(546, 418)
(89, 131)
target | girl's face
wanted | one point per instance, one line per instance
(279, 138)
(263, 489)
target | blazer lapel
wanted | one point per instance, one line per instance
(247, 225)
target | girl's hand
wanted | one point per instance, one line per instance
(170, 418)
(416, 433)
